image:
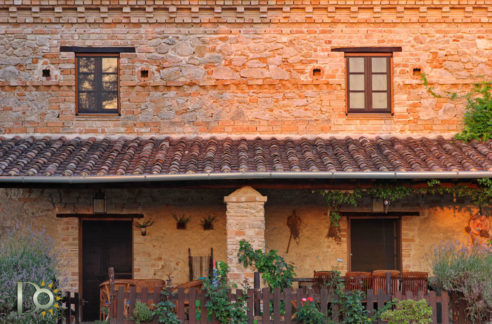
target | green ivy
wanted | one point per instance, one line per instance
(166, 310)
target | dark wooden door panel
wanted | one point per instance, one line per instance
(105, 244)
(374, 244)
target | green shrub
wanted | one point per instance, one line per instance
(309, 313)
(26, 255)
(142, 313)
(408, 312)
(166, 310)
(467, 272)
(274, 270)
(218, 304)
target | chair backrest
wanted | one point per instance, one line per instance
(323, 279)
(379, 281)
(414, 281)
(358, 281)
(200, 266)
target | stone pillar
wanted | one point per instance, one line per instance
(245, 221)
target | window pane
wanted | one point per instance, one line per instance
(357, 100)
(379, 82)
(86, 82)
(379, 64)
(110, 82)
(110, 100)
(356, 64)
(109, 64)
(357, 82)
(87, 102)
(87, 64)
(379, 100)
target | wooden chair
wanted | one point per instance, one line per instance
(139, 284)
(379, 281)
(358, 281)
(414, 281)
(200, 266)
(323, 279)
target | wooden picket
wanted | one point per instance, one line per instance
(276, 306)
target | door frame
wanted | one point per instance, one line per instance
(396, 217)
(83, 219)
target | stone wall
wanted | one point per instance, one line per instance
(161, 253)
(164, 250)
(239, 70)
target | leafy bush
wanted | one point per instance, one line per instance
(478, 115)
(274, 270)
(217, 292)
(408, 312)
(26, 255)
(165, 310)
(142, 313)
(309, 313)
(467, 272)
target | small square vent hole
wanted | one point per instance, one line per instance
(46, 73)
(317, 72)
(144, 73)
(416, 71)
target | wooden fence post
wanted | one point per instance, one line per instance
(111, 306)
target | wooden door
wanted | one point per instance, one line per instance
(374, 244)
(104, 244)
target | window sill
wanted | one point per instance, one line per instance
(369, 115)
(98, 117)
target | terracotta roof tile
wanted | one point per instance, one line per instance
(47, 156)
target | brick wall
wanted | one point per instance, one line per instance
(242, 70)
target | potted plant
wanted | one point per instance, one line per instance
(208, 222)
(181, 221)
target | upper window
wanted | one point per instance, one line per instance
(97, 83)
(368, 82)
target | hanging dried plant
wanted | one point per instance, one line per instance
(334, 230)
(294, 224)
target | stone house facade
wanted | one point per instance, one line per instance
(238, 110)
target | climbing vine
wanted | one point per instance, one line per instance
(479, 194)
(478, 115)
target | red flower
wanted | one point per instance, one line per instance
(310, 299)
(304, 299)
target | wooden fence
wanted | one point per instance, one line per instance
(71, 309)
(264, 306)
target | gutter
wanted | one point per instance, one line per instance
(247, 176)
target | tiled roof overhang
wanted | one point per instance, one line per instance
(124, 159)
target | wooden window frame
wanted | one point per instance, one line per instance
(117, 111)
(398, 248)
(368, 83)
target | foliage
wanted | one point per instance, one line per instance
(478, 115)
(480, 195)
(409, 312)
(101, 322)
(26, 255)
(466, 271)
(274, 270)
(309, 313)
(142, 313)
(165, 310)
(218, 304)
